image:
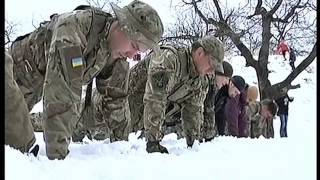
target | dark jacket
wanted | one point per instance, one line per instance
(236, 117)
(219, 108)
(283, 103)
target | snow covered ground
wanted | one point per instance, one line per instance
(225, 158)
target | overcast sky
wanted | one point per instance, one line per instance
(24, 12)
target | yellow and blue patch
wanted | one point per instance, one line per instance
(76, 62)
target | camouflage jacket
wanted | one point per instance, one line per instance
(76, 50)
(259, 124)
(172, 77)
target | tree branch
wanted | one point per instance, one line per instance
(279, 89)
(290, 13)
(196, 9)
(219, 10)
(257, 10)
(303, 65)
(275, 7)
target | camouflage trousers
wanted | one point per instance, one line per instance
(99, 132)
(18, 128)
(93, 123)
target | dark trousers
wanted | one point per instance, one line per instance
(292, 65)
(284, 54)
(221, 125)
(283, 126)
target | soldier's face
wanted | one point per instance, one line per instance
(233, 90)
(221, 80)
(123, 47)
(265, 112)
(203, 62)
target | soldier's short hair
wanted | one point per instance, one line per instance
(196, 45)
(271, 106)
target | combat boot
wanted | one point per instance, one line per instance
(156, 147)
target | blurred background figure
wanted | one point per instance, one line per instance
(283, 48)
(292, 58)
(283, 104)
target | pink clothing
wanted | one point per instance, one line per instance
(283, 47)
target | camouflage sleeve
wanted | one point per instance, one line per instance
(192, 111)
(209, 127)
(161, 78)
(254, 119)
(18, 128)
(256, 129)
(114, 105)
(269, 127)
(62, 87)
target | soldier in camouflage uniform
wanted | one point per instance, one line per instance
(261, 116)
(177, 79)
(76, 47)
(209, 129)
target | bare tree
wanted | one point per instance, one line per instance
(101, 3)
(9, 32)
(185, 30)
(261, 29)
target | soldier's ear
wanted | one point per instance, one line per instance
(200, 52)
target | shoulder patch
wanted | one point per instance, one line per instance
(77, 62)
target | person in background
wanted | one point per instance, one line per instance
(237, 121)
(283, 48)
(261, 116)
(292, 58)
(283, 103)
(252, 94)
(235, 86)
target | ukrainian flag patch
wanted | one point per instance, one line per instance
(76, 62)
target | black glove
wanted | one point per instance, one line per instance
(34, 150)
(190, 141)
(156, 147)
(208, 139)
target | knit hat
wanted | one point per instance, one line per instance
(227, 68)
(239, 82)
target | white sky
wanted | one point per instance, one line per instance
(22, 12)
(225, 158)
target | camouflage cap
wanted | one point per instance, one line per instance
(214, 47)
(141, 23)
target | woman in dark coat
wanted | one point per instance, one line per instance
(283, 104)
(236, 117)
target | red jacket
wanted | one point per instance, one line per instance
(283, 47)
